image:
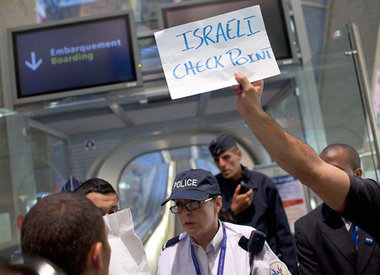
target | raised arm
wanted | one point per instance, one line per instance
(294, 156)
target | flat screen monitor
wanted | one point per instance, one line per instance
(74, 57)
(275, 14)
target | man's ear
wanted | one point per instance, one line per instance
(95, 257)
(239, 154)
(358, 172)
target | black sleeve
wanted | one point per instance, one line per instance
(286, 247)
(363, 205)
(308, 263)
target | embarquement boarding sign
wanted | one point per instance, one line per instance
(202, 56)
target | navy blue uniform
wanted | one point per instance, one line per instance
(363, 205)
(266, 214)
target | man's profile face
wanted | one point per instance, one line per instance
(338, 158)
(228, 163)
(105, 202)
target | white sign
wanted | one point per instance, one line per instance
(127, 251)
(203, 56)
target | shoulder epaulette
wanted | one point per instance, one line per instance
(171, 242)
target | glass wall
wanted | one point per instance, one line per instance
(342, 99)
(33, 162)
(51, 160)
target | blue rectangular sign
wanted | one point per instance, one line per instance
(74, 56)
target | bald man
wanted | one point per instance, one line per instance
(329, 244)
(354, 198)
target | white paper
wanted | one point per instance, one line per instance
(127, 251)
(203, 55)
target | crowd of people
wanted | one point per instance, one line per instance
(252, 236)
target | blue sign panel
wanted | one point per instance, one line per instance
(74, 56)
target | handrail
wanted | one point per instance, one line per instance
(366, 88)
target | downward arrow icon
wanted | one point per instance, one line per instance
(33, 64)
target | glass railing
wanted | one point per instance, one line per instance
(34, 162)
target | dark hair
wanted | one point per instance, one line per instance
(226, 216)
(61, 228)
(354, 159)
(95, 185)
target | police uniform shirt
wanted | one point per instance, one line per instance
(363, 205)
(266, 213)
(177, 259)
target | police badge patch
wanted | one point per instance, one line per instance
(278, 268)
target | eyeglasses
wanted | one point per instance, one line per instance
(190, 206)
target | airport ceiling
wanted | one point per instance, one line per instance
(150, 103)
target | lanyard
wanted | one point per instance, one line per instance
(221, 256)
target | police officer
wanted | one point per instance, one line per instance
(259, 206)
(209, 246)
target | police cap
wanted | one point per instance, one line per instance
(194, 184)
(220, 144)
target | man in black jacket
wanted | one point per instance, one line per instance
(325, 243)
(356, 199)
(252, 198)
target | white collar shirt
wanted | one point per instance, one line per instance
(347, 224)
(208, 260)
(177, 259)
